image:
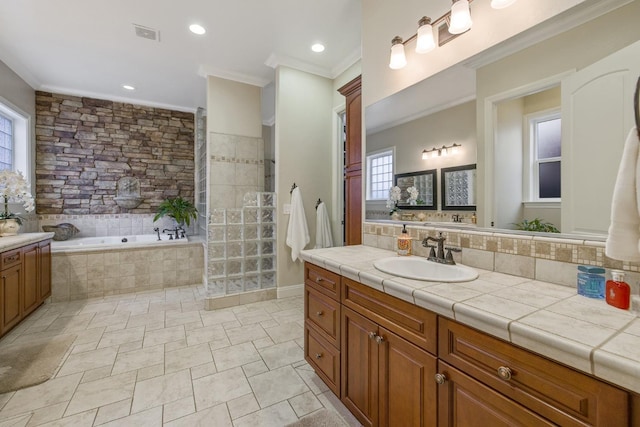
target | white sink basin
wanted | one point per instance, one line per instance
(421, 269)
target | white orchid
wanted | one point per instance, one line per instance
(15, 188)
(394, 197)
(413, 194)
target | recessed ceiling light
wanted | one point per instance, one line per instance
(197, 29)
(318, 47)
(128, 87)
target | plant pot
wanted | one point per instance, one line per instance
(9, 227)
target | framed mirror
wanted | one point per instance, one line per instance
(425, 184)
(459, 188)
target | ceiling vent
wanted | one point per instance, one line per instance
(147, 33)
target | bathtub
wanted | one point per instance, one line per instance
(96, 267)
(85, 243)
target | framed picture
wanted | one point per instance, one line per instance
(425, 184)
(459, 188)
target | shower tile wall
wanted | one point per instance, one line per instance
(241, 246)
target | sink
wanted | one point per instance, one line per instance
(422, 269)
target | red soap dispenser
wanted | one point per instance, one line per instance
(618, 292)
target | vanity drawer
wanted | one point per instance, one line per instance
(323, 357)
(558, 393)
(323, 280)
(323, 314)
(409, 321)
(10, 258)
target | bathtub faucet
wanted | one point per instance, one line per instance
(157, 230)
(175, 230)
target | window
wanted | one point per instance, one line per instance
(379, 174)
(6, 143)
(545, 138)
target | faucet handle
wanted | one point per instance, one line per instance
(453, 249)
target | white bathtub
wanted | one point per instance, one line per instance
(85, 243)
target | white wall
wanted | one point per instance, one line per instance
(233, 108)
(382, 20)
(303, 135)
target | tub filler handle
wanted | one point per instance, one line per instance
(157, 230)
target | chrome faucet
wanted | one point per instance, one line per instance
(157, 230)
(437, 252)
(456, 218)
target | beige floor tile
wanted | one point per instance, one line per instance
(263, 342)
(245, 333)
(84, 419)
(161, 336)
(242, 406)
(277, 415)
(254, 368)
(88, 360)
(217, 318)
(313, 381)
(102, 392)
(113, 411)
(285, 332)
(149, 418)
(253, 317)
(203, 370)
(77, 323)
(217, 416)
(206, 334)
(160, 390)
(150, 372)
(178, 409)
(121, 337)
(54, 391)
(305, 403)
(96, 374)
(187, 358)
(234, 356)
(138, 359)
(276, 386)
(48, 414)
(283, 354)
(19, 421)
(176, 317)
(219, 388)
(109, 320)
(154, 318)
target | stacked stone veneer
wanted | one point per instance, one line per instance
(85, 145)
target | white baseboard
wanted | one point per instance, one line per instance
(291, 291)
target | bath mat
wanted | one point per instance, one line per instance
(321, 418)
(26, 364)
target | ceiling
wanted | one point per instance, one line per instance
(88, 47)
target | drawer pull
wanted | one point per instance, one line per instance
(319, 279)
(440, 378)
(318, 355)
(504, 373)
(379, 339)
(12, 259)
(372, 335)
(319, 313)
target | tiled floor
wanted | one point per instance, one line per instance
(158, 358)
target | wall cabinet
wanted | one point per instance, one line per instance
(393, 363)
(25, 282)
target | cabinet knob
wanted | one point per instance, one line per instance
(319, 313)
(372, 335)
(504, 373)
(318, 355)
(440, 378)
(379, 339)
(319, 279)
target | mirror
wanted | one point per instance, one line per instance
(458, 188)
(505, 88)
(425, 193)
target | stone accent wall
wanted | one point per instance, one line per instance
(85, 145)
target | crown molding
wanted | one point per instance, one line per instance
(208, 70)
(274, 61)
(346, 63)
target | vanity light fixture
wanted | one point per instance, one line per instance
(501, 4)
(425, 42)
(398, 59)
(440, 151)
(460, 19)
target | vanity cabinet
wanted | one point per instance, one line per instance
(25, 282)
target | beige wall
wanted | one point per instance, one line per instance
(381, 21)
(568, 51)
(303, 154)
(233, 108)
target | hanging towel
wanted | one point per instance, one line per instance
(297, 230)
(624, 232)
(323, 227)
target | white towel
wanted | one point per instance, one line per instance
(297, 230)
(624, 232)
(323, 227)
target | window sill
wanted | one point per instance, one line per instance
(537, 204)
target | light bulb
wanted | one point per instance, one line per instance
(501, 4)
(460, 17)
(425, 154)
(454, 149)
(398, 59)
(425, 41)
(444, 151)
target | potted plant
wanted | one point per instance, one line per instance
(13, 189)
(181, 210)
(536, 225)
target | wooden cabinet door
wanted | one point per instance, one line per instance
(10, 284)
(45, 270)
(353, 212)
(31, 293)
(359, 379)
(408, 394)
(465, 402)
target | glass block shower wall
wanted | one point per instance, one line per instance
(241, 246)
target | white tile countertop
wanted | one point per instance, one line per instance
(11, 242)
(548, 319)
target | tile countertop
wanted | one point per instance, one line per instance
(548, 319)
(11, 242)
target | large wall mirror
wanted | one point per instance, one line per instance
(425, 186)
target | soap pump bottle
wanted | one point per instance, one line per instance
(404, 242)
(618, 292)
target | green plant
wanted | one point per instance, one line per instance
(536, 225)
(183, 211)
